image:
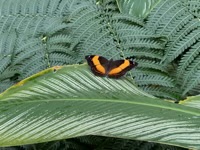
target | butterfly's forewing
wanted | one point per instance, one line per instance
(98, 64)
(119, 68)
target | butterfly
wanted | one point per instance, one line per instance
(100, 66)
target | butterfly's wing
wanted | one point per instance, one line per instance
(98, 64)
(119, 68)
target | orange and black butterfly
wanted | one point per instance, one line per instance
(101, 66)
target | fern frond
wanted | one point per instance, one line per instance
(37, 16)
(174, 22)
(165, 92)
(36, 66)
(4, 61)
(175, 27)
(31, 31)
(193, 6)
(155, 80)
(74, 8)
(59, 39)
(53, 7)
(186, 60)
(53, 25)
(142, 43)
(151, 64)
(8, 73)
(193, 82)
(188, 28)
(148, 71)
(100, 41)
(36, 26)
(23, 44)
(126, 17)
(32, 6)
(195, 90)
(101, 32)
(9, 7)
(61, 59)
(27, 51)
(58, 48)
(42, 6)
(144, 52)
(7, 43)
(64, 7)
(161, 12)
(191, 70)
(128, 30)
(83, 12)
(33, 65)
(182, 45)
(5, 84)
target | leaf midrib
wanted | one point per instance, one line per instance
(124, 102)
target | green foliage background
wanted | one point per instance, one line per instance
(38, 34)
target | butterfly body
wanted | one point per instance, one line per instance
(101, 66)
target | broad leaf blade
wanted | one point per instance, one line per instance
(71, 102)
(139, 8)
(192, 101)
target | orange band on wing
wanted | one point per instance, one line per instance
(125, 64)
(120, 68)
(98, 65)
(95, 60)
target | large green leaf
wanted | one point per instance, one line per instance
(192, 101)
(66, 102)
(139, 8)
